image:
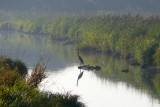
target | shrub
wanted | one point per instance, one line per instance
(15, 91)
(37, 74)
(7, 63)
(20, 66)
(9, 78)
(157, 57)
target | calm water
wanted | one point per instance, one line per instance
(106, 88)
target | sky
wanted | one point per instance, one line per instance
(81, 5)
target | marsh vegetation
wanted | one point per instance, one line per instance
(133, 37)
(17, 92)
(131, 40)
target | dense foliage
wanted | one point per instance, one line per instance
(16, 92)
(7, 64)
(133, 37)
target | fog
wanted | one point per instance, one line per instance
(81, 5)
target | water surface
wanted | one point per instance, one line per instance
(108, 87)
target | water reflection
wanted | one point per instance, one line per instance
(95, 91)
(30, 48)
(84, 67)
(108, 87)
(79, 76)
(112, 70)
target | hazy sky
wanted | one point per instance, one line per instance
(81, 5)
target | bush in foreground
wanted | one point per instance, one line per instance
(7, 63)
(15, 91)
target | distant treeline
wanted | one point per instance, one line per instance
(133, 37)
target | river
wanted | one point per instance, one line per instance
(108, 87)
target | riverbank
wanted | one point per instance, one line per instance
(16, 91)
(133, 37)
(111, 67)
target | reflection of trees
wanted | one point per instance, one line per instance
(111, 71)
(30, 47)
